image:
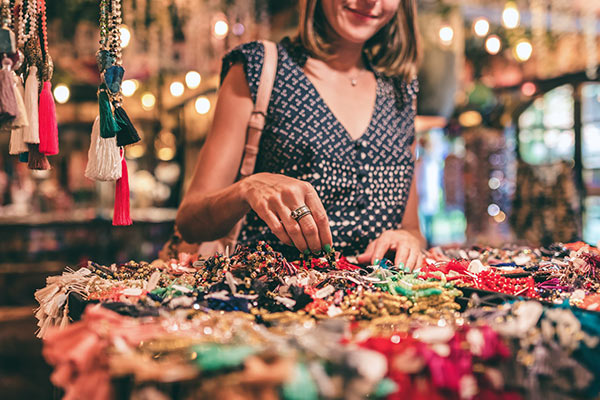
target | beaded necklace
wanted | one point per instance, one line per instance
(48, 65)
(27, 25)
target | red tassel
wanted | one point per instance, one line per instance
(47, 119)
(121, 216)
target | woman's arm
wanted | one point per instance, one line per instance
(214, 203)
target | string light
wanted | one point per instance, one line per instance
(469, 118)
(523, 50)
(129, 86)
(528, 89)
(176, 89)
(493, 44)
(220, 27)
(481, 27)
(62, 93)
(493, 209)
(500, 217)
(510, 15)
(192, 79)
(446, 34)
(238, 29)
(148, 101)
(494, 183)
(125, 36)
(202, 105)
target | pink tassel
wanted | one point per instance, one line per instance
(47, 119)
(121, 216)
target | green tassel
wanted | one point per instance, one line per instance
(385, 387)
(301, 386)
(108, 125)
(215, 357)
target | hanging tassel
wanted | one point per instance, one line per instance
(8, 102)
(127, 134)
(122, 215)
(31, 133)
(36, 159)
(108, 125)
(21, 120)
(47, 122)
(17, 144)
(104, 161)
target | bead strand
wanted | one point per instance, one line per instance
(114, 32)
(27, 21)
(42, 12)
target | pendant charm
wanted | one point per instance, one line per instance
(113, 77)
(8, 44)
(105, 60)
(353, 81)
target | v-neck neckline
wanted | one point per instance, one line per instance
(312, 87)
(335, 118)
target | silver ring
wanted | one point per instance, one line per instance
(300, 212)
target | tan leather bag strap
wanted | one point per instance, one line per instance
(259, 114)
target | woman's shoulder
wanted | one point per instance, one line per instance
(249, 53)
(251, 56)
(404, 89)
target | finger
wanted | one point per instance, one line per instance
(274, 224)
(381, 247)
(419, 262)
(292, 228)
(411, 262)
(310, 231)
(319, 215)
(402, 253)
(366, 256)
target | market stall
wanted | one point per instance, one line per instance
(104, 108)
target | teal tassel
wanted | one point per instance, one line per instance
(301, 387)
(216, 357)
(385, 387)
(108, 125)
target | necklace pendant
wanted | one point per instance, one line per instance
(353, 81)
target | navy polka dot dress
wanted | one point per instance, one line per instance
(362, 183)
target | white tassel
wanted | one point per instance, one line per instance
(21, 120)
(17, 144)
(104, 158)
(65, 318)
(53, 299)
(31, 133)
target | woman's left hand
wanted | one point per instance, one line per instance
(407, 246)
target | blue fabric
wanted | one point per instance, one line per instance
(363, 183)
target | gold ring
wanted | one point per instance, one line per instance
(300, 212)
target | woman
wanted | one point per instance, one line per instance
(339, 139)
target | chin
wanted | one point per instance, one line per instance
(357, 35)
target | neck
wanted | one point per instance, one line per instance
(346, 56)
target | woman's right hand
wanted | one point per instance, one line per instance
(273, 197)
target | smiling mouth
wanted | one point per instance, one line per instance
(364, 14)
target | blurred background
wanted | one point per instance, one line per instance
(509, 136)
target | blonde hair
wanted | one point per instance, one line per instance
(394, 50)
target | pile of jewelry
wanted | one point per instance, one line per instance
(561, 272)
(255, 325)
